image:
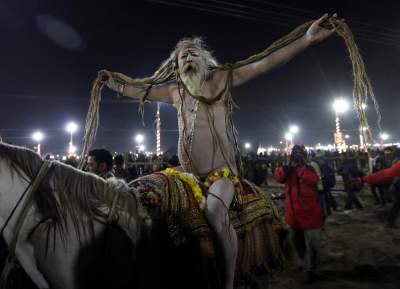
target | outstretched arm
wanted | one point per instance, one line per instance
(384, 175)
(161, 93)
(314, 34)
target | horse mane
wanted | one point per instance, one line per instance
(27, 160)
(71, 195)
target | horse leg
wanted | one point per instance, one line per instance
(218, 201)
(24, 252)
(25, 255)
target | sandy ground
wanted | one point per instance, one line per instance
(358, 251)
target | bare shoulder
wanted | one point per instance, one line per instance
(218, 79)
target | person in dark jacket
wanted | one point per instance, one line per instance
(327, 181)
(303, 212)
(392, 173)
(119, 170)
(379, 191)
(100, 162)
(350, 174)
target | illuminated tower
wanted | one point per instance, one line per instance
(158, 131)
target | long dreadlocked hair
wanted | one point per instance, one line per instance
(168, 72)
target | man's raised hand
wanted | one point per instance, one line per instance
(317, 32)
(107, 78)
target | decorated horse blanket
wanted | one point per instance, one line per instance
(256, 220)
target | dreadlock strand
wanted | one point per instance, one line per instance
(362, 89)
(168, 71)
(92, 119)
(185, 133)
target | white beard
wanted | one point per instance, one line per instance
(194, 80)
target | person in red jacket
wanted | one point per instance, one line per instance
(303, 212)
(389, 174)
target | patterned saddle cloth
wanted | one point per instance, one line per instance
(256, 220)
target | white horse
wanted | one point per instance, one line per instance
(59, 239)
(61, 242)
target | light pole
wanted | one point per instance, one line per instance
(383, 136)
(139, 138)
(289, 142)
(71, 128)
(340, 105)
(293, 130)
(158, 131)
(37, 136)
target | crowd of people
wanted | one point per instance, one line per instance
(308, 198)
(348, 167)
(309, 179)
(126, 166)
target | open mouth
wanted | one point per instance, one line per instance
(189, 68)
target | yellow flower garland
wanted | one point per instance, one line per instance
(188, 179)
(226, 173)
(218, 174)
(221, 173)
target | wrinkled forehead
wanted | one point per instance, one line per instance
(189, 48)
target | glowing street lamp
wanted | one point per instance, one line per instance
(293, 129)
(247, 145)
(37, 136)
(139, 138)
(340, 105)
(71, 128)
(384, 137)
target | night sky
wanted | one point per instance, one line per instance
(51, 52)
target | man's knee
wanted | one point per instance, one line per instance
(217, 215)
(215, 209)
(222, 189)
